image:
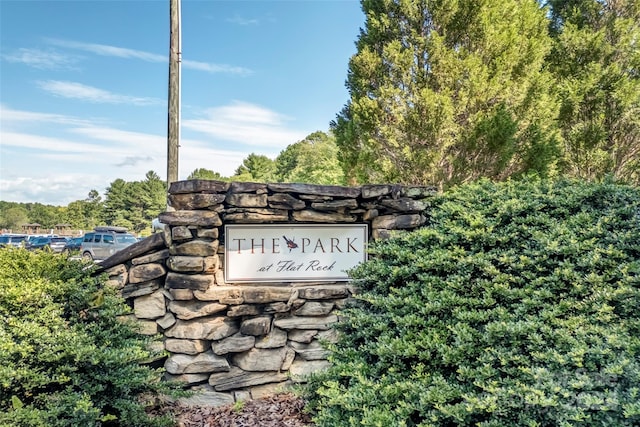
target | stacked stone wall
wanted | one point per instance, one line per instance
(240, 341)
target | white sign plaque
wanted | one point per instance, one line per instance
(286, 252)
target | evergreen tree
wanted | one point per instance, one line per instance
(116, 204)
(133, 213)
(446, 91)
(596, 60)
(134, 204)
(153, 197)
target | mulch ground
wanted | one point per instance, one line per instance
(281, 410)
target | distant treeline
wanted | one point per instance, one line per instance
(135, 204)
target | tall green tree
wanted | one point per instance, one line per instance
(153, 197)
(202, 173)
(134, 214)
(93, 208)
(85, 214)
(313, 160)
(75, 215)
(256, 168)
(13, 216)
(117, 204)
(445, 91)
(135, 204)
(596, 61)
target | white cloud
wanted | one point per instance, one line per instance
(141, 141)
(195, 154)
(121, 142)
(92, 94)
(73, 169)
(56, 159)
(8, 116)
(134, 160)
(33, 163)
(121, 52)
(215, 68)
(55, 170)
(237, 19)
(106, 50)
(246, 123)
(58, 189)
(48, 144)
(45, 60)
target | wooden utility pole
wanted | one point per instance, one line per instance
(175, 57)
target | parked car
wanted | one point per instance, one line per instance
(33, 237)
(105, 241)
(73, 245)
(55, 244)
(12, 240)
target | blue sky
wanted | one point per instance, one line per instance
(84, 84)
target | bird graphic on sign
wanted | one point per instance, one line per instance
(290, 243)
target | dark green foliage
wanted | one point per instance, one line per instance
(595, 60)
(153, 199)
(66, 358)
(517, 305)
(444, 92)
(135, 204)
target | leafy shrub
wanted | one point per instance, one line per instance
(66, 358)
(517, 305)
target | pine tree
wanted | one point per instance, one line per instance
(116, 203)
(596, 60)
(446, 91)
(153, 197)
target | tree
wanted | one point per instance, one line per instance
(135, 204)
(85, 214)
(448, 91)
(596, 60)
(313, 160)
(202, 173)
(256, 168)
(153, 197)
(45, 215)
(93, 208)
(75, 215)
(116, 204)
(13, 217)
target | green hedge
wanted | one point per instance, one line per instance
(517, 305)
(65, 358)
